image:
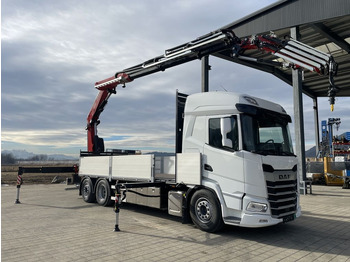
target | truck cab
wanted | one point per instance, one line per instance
(247, 157)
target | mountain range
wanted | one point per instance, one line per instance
(23, 154)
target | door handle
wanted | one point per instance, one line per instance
(208, 167)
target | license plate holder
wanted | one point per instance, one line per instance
(289, 218)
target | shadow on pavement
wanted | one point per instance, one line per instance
(60, 207)
(309, 233)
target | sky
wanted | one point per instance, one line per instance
(52, 53)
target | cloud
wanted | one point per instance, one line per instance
(54, 51)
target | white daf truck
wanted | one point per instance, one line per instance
(234, 161)
(236, 167)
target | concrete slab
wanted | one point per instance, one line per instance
(54, 224)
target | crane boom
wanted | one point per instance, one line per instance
(294, 54)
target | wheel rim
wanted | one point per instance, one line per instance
(101, 193)
(203, 210)
(86, 190)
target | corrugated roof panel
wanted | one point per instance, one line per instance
(323, 24)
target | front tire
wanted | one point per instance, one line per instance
(103, 193)
(205, 211)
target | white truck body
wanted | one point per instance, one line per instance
(146, 168)
(130, 167)
(236, 151)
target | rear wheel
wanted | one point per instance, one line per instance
(103, 193)
(87, 190)
(205, 211)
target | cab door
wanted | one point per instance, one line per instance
(222, 159)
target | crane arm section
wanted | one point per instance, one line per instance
(294, 54)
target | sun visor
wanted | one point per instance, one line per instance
(261, 112)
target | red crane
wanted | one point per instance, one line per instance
(294, 54)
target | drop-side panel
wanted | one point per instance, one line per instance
(94, 166)
(139, 167)
(188, 168)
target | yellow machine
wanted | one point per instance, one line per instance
(332, 177)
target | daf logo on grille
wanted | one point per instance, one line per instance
(285, 176)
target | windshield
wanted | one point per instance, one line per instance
(266, 135)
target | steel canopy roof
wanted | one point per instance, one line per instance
(323, 24)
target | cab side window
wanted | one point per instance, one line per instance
(223, 133)
(215, 137)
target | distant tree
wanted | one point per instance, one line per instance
(43, 157)
(34, 158)
(40, 157)
(7, 158)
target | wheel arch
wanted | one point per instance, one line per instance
(211, 220)
(214, 188)
(190, 192)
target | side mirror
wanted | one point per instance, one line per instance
(226, 127)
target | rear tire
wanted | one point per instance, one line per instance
(87, 190)
(103, 193)
(205, 211)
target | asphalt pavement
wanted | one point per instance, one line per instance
(54, 224)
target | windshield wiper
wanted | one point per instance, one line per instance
(287, 154)
(259, 152)
(271, 152)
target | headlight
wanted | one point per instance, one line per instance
(256, 207)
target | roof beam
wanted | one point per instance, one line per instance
(327, 32)
(287, 78)
(256, 65)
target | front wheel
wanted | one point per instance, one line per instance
(205, 211)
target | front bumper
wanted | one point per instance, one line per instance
(262, 220)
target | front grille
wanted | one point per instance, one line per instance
(282, 196)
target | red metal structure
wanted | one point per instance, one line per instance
(107, 87)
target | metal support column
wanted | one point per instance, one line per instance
(205, 73)
(299, 119)
(317, 127)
